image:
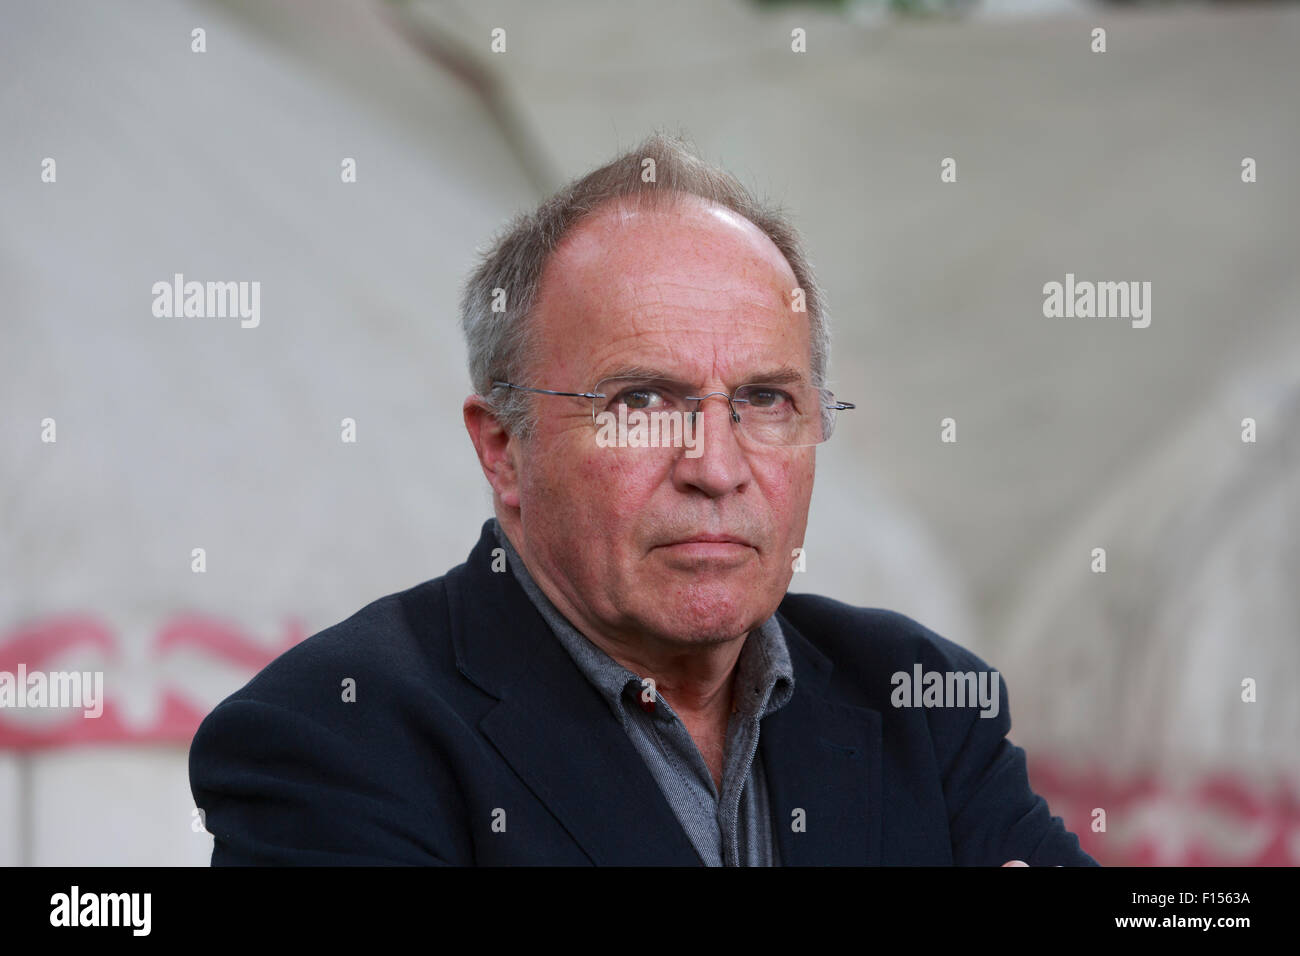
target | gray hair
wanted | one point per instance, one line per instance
(502, 343)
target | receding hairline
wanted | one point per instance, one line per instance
(615, 212)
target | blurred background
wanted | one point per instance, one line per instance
(1126, 686)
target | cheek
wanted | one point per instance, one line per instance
(789, 493)
(788, 479)
(586, 496)
(551, 489)
(619, 483)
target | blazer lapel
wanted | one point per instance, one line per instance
(823, 758)
(553, 727)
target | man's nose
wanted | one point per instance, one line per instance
(722, 465)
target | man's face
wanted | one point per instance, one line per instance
(699, 292)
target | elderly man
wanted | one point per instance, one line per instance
(617, 675)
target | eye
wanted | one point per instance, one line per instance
(638, 398)
(770, 398)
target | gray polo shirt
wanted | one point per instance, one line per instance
(733, 828)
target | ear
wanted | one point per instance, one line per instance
(496, 449)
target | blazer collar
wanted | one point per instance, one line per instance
(820, 756)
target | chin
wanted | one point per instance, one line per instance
(705, 615)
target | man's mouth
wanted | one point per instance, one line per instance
(708, 546)
(713, 539)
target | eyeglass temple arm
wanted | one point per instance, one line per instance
(547, 391)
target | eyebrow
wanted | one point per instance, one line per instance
(782, 375)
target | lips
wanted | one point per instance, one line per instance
(709, 539)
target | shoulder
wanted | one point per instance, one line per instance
(892, 664)
(391, 636)
(328, 755)
(871, 638)
(392, 649)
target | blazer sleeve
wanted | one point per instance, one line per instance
(279, 788)
(994, 814)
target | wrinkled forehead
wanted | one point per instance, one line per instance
(646, 229)
(668, 281)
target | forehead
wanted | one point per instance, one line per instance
(639, 237)
(685, 282)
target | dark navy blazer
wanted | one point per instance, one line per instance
(474, 739)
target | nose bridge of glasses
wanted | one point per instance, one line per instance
(699, 403)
